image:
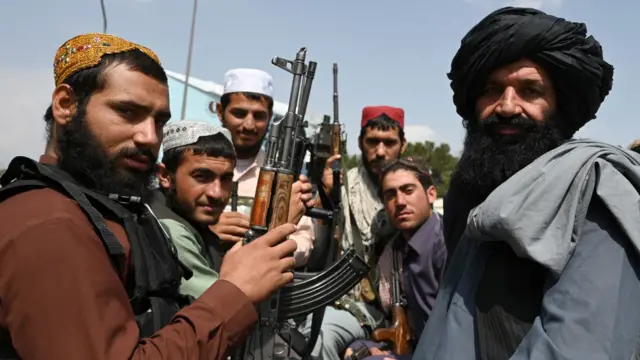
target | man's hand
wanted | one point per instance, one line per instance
(327, 174)
(301, 199)
(372, 346)
(231, 227)
(261, 267)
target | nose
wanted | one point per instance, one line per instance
(381, 151)
(214, 190)
(147, 134)
(508, 105)
(401, 200)
(249, 122)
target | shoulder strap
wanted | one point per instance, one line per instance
(25, 174)
(358, 245)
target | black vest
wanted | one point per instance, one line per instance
(214, 249)
(153, 285)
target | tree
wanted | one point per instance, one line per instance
(438, 158)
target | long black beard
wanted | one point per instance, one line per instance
(489, 159)
(81, 155)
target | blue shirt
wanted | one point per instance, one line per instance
(423, 263)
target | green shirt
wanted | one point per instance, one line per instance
(192, 254)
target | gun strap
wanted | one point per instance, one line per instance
(396, 283)
(358, 245)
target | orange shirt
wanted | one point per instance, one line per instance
(61, 296)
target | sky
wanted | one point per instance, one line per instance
(389, 53)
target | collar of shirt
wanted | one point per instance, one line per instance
(257, 162)
(428, 233)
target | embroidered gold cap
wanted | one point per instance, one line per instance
(86, 51)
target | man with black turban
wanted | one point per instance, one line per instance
(545, 228)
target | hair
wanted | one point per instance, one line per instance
(213, 146)
(409, 164)
(226, 99)
(87, 82)
(382, 123)
(635, 146)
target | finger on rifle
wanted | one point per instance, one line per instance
(277, 234)
(306, 187)
(233, 214)
(234, 230)
(242, 222)
(285, 278)
(286, 248)
(304, 197)
(237, 246)
(332, 159)
(310, 203)
(303, 179)
(287, 263)
(229, 238)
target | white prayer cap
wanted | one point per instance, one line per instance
(183, 133)
(248, 80)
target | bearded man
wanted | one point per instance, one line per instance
(86, 270)
(356, 315)
(546, 266)
(245, 109)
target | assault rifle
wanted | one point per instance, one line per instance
(338, 146)
(309, 292)
(329, 140)
(399, 334)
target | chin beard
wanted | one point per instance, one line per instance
(81, 155)
(489, 159)
(369, 167)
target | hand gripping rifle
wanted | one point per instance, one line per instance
(399, 334)
(312, 292)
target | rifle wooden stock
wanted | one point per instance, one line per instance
(281, 199)
(262, 199)
(399, 334)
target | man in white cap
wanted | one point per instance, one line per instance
(245, 109)
(195, 178)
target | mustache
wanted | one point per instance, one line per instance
(494, 121)
(376, 162)
(135, 152)
(214, 203)
(249, 132)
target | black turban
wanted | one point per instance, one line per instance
(572, 59)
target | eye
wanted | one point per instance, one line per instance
(238, 113)
(125, 112)
(532, 92)
(491, 90)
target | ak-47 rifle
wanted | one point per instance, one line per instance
(337, 148)
(399, 334)
(271, 208)
(328, 141)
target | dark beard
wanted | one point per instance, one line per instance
(81, 156)
(489, 159)
(368, 166)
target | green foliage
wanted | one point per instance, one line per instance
(438, 158)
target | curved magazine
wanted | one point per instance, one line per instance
(323, 289)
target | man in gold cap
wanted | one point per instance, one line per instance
(87, 272)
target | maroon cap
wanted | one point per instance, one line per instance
(372, 112)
